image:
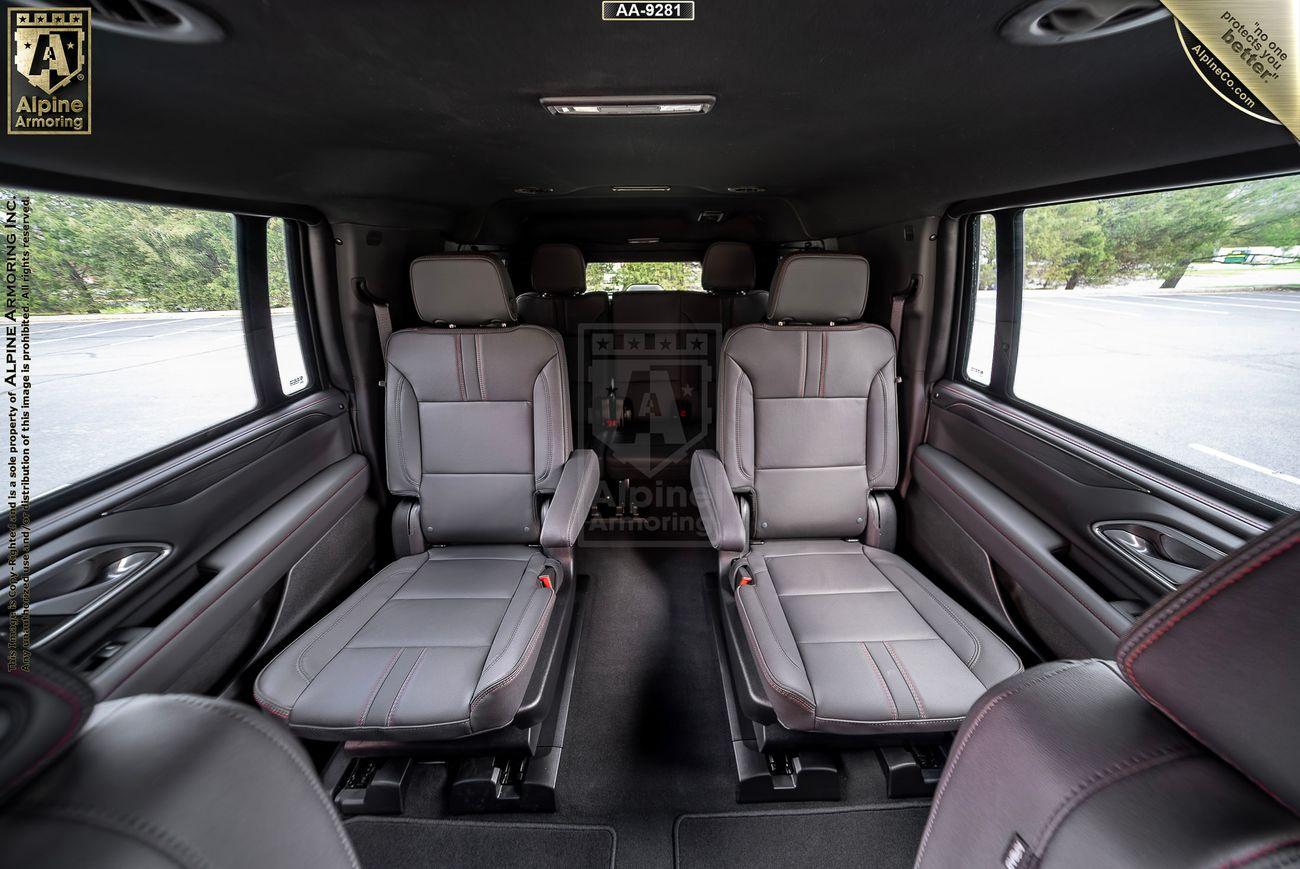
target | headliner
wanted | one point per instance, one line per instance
(425, 113)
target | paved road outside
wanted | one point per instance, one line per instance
(1209, 380)
(105, 390)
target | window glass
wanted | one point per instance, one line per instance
(1172, 322)
(284, 320)
(637, 276)
(137, 338)
(979, 355)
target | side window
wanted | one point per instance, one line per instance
(1171, 321)
(983, 310)
(284, 317)
(137, 332)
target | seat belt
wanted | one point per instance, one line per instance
(383, 325)
(383, 318)
(896, 309)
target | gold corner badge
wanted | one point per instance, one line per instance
(49, 71)
(1246, 51)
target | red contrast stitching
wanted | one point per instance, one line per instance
(74, 724)
(1231, 579)
(120, 682)
(911, 686)
(884, 686)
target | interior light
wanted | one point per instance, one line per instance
(640, 105)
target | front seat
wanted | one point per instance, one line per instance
(442, 645)
(846, 639)
(154, 782)
(1180, 753)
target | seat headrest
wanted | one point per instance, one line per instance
(819, 288)
(41, 710)
(728, 268)
(559, 269)
(1220, 658)
(463, 289)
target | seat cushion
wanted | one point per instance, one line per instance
(436, 646)
(853, 640)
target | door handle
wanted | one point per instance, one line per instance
(73, 587)
(1166, 554)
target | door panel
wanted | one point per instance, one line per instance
(178, 576)
(1016, 512)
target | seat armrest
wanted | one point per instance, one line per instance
(572, 500)
(717, 503)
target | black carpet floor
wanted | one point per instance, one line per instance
(648, 743)
(881, 837)
(408, 843)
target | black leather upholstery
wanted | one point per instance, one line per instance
(848, 639)
(463, 289)
(436, 646)
(441, 645)
(559, 301)
(559, 269)
(1221, 657)
(41, 711)
(160, 781)
(819, 288)
(728, 267)
(1183, 755)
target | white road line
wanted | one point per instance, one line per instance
(145, 338)
(1165, 308)
(105, 331)
(1228, 457)
(1105, 312)
(1275, 298)
(1258, 307)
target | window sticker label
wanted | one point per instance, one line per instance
(1243, 50)
(49, 72)
(615, 11)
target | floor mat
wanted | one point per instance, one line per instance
(865, 837)
(408, 843)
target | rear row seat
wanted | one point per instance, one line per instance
(461, 642)
(560, 301)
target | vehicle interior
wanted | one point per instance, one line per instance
(837, 434)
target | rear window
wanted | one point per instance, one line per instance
(618, 277)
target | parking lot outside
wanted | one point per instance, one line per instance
(1207, 378)
(108, 389)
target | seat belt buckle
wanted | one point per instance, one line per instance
(545, 580)
(745, 579)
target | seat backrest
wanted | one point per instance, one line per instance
(807, 406)
(729, 273)
(1183, 756)
(154, 781)
(476, 418)
(560, 301)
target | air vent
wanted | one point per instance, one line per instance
(163, 20)
(534, 191)
(747, 188)
(1052, 22)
